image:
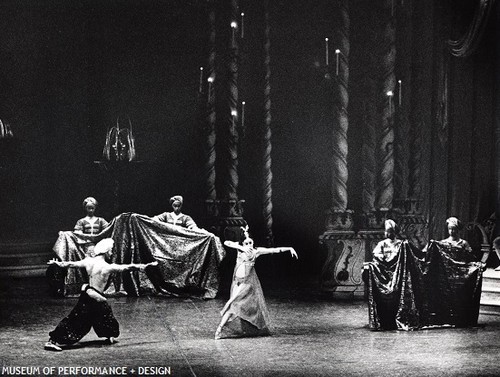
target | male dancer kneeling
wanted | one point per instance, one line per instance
(92, 309)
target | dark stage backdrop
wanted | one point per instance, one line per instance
(69, 69)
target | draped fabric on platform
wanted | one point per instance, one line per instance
(188, 259)
(437, 287)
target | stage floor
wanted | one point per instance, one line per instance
(312, 336)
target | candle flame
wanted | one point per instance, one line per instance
(234, 25)
(389, 93)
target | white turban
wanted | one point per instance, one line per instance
(454, 222)
(103, 246)
(176, 198)
(89, 200)
(391, 224)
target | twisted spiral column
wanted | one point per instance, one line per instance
(341, 122)
(415, 163)
(385, 146)
(267, 190)
(369, 167)
(210, 141)
(231, 181)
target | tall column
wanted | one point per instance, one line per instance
(210, 136)
(267, 190)
(231, 178)
(368, 172)
(341, 272)
(385, 187)
(230, 207)
(497, 124)
(338, 217)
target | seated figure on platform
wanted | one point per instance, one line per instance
(90, 224)
(176, 217)
(388, 249)
(454, 227)
(83, 238)
(245, 314)
(92, 309)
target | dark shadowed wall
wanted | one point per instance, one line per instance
(70, 69)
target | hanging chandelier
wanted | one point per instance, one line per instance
(5, 130)
(120, 143)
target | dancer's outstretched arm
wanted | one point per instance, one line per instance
(133, 266)
(75, 264)
(273, 250)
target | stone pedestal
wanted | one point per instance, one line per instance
(341, 272)
(345, 252)
(225, 218)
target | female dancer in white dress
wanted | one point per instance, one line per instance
(245, 314)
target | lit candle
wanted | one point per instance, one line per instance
(390, 94)
(399, 92)
(242, 25)
(243, 114)
(337, 61)
(201, 79)
(326, 50)
(210, 81)
(234, 113)
(234, 25)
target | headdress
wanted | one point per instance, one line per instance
(176, 198)
(391, 224)
(103, 246)
(245, 230)
(89, 200)
(496, 243)
(454, 222)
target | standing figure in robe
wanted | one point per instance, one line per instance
(383, 279)
(245, 314)
(176, 217)
(456, 247)
(92, 309)
(388, 249)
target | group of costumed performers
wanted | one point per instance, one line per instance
(170, 236)
(409, 288)
(245, 314)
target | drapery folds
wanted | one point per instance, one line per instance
(188, 259)
(441, 286)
